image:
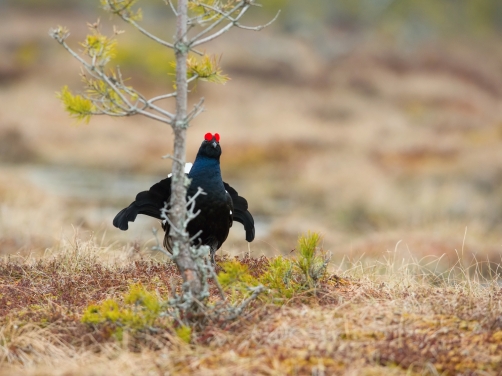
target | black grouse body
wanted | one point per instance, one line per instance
(218, 207)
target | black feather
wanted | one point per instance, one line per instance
(147, 202)
(241, 213)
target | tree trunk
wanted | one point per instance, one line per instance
(181, 244)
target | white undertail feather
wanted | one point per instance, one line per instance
(188, 167)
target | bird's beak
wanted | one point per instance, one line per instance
(214, 144)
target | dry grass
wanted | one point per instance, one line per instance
(376, 150)
(379, 318)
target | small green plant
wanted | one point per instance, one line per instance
(236, 279)
(286, 277)
(279, 279)
(140, 310)
(184, 333)
(98, 314)
(311, 261)
(283, 277)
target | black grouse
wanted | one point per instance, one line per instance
(219, 207)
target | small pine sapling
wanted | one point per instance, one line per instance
(197, 22)
(311, 261)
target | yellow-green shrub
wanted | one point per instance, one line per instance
(235, 279)
(283, 277)
(140, 310)
(184, 333)
(278, 278)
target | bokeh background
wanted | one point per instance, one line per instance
(375, 122)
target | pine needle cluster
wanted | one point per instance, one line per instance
(282, 277)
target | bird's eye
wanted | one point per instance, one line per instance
(208, 137)
(217, 136)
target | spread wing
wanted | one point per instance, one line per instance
(147, 202)
(241, 213)
(150, 202)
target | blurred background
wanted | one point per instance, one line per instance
(377, 123)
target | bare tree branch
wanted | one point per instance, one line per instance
(238, 311)
(127, 107)
(259, 27)
(158, 247)
(192, 199)
(197, 110)
(169, 156)
(160, 97)
(233, 22)
(192, 239)
(195, 41)
(148, 34)
(172, 7)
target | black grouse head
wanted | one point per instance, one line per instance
(210, 147)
